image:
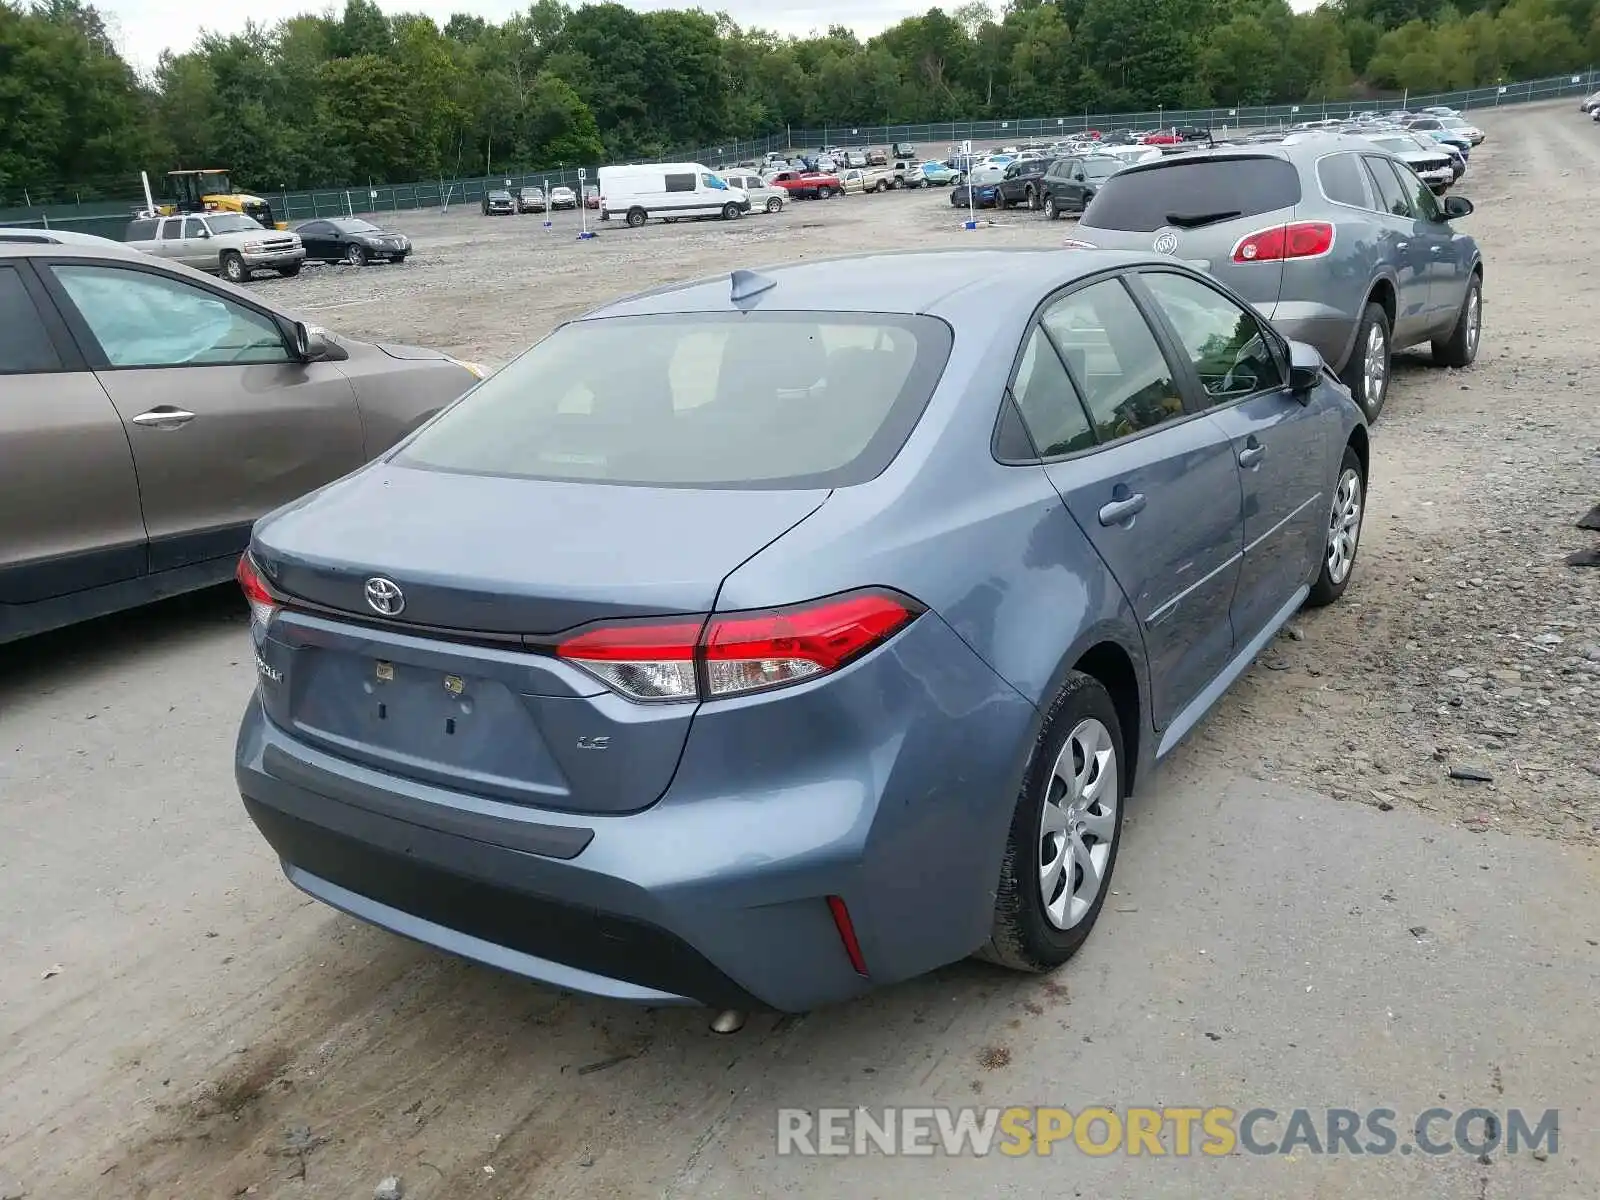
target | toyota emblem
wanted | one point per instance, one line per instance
(1166, 243)
(385, 597)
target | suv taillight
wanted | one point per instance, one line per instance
(1298, 239)
(263, 604)
(734, 654)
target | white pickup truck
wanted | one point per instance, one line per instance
(228, 244)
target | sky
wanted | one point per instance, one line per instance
(143, 28)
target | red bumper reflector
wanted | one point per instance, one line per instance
(847, 933)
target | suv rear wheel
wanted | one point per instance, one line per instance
(1366, 374)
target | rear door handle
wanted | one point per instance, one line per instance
(1121, 512)
(1251, 456)
(164, 417)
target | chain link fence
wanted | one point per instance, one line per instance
(109, 218)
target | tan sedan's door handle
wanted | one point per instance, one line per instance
(164, 416)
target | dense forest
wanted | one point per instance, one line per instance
(328, 100)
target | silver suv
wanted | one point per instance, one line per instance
(1334, 240)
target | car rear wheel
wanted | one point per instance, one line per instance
(1367, 372)
(1065, 831)
(1344, 533)
(233, 269)
(1032, 197)
(774, 204)
(290, 271)
(356, 256)
(1460, 349)
(824, 192)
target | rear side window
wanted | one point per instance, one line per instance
(141, 231)
(711, 400)
(1049, 402)
(25, 347)
(680, 183)
(171, 230)
(1182, 192)
(1343, 181)
(1394, 199)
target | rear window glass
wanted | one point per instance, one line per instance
(756, 400)
(1144, 200)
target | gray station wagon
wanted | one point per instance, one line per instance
(1335, 241)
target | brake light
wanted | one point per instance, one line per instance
(263, 604)
(733, 654)
(1298, 239)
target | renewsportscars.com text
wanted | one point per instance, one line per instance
(1166, 1131)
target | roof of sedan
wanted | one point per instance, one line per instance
(912, 281)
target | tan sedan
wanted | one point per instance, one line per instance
(150, 413)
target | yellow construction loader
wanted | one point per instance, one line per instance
(211, 190)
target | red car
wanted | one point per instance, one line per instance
(591, 196)
(804, 185)
(1164, 137)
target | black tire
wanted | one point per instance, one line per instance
(636, 218)
(1368, 394)
(1024, 938)
(1051, 212)
(1032, 197)
(1460, 349)
(824, 192)
(730, 212)
(1330, 584)
(883, 185)
(290, 271)
(355, 256)
(774, 204)
(233, 268)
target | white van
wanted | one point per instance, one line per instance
(667, 191)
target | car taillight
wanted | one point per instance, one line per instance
(263, 604)
(734, 654)
(1298, 239)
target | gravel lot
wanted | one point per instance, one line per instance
(176, 1021)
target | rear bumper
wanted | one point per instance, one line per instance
(717, 894)
(1323, 326)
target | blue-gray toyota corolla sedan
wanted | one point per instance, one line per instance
(768, 638)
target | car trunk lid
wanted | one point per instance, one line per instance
(452, 688)
(1199, 209)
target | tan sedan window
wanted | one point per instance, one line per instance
(142, 319)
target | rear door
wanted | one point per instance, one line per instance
(1281, 444)
(1405, 245)
(1447, 269)
(196, 249)
(1157, 493)
(70, 518)
(224, 423)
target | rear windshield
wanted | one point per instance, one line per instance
(1180, 192)
(718, 400)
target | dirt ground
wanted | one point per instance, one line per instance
(211, 1033)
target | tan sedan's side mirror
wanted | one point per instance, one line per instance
(310, 344)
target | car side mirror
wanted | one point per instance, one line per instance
(1305, 369)
(1457, 206)
(310, 343)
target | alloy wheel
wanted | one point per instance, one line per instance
(1375, 369)
(1078, 823)
(1474, 321)
(1344, 526)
